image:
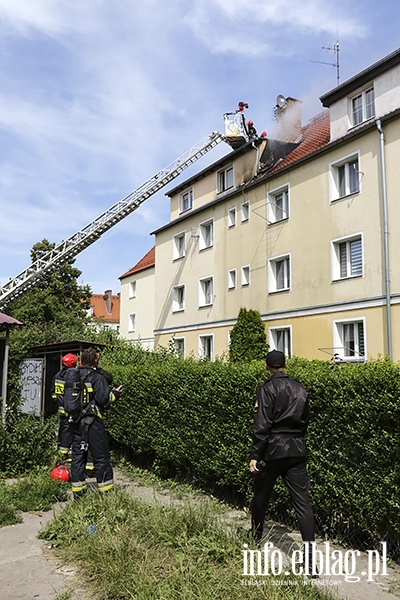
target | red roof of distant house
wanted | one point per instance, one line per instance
(315, 135)
(148, 261)
(101, 307)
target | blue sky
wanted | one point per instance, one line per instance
(97, 96)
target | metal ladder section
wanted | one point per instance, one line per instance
(83, 238)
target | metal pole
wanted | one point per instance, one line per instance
(385, 241)
(4, 382)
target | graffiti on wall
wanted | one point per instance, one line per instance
(31, 380)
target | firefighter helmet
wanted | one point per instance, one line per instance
(69, 360)
(250, 123)
(60, 473)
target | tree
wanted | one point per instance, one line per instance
(248, 340)
(56, 299)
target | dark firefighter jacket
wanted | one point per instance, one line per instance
(57, 389)
(281, 416)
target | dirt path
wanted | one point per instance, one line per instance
(29, 569)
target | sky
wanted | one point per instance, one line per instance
(98, 96)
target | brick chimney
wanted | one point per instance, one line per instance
(108, 301)
(288, 120)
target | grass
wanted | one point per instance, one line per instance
(128, 549)
(36, 492)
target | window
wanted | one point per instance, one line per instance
(349, 340)
(206, 235)
(347, 258)
(132, 289)
(132, 322)
(363, 106)
(178, 298)
(186, 200)
(245, 212)
(206, 346)
(346, 178)
(224, 179)
(179, 246)
(231, 279)
(278, 205)
(206, 291)
(179, 346)
(280, 339)
(279, 274)
(245, 275)
(231, 217)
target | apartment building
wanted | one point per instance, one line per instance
(137, 302)
(303, 228)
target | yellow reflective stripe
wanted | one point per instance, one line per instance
(106, 485)
(78, 486)
(61, 411)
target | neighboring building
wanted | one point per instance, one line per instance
(138, 301)
(303, 229)
(105, 308)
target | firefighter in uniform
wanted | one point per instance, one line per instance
(65, 433)
(90, 430)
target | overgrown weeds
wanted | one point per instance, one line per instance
(128, 549)
(36, 492)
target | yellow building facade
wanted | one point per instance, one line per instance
(304, 230)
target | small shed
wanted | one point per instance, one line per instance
(6, 323)
(45, 363)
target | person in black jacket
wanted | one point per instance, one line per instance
(89, 431)
(281, 416)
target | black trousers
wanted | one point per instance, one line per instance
(294, 473)
(99, 448)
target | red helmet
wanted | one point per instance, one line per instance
(69, 360)
(250, 123)
(60, 473)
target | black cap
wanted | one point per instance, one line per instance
(276, 359)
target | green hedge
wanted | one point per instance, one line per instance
(194, 418)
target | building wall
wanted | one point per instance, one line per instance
(141, 305)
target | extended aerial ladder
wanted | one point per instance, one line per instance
(83, 238)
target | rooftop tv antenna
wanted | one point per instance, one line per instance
(335, 49)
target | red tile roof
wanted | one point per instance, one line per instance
(98, 304)
(148, 261)
(315, 135)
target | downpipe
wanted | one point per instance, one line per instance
(385, 240)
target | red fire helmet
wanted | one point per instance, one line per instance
(60, 473)
(69, 360)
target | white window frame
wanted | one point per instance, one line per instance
(232, 278)
(201, 346)
(245, 276)
(179, 246)
(336, 248)
(276, 344)
(225, 179)
(365, 109)
(272, 273)
(206, 291)
(232, 217)
(186, 200)
(179, 344)
(245, 212)
(341, 176)
(132, 322)
(206, 232)
(178, 298)
(349, 354)
(132, 289)
(278, 204)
